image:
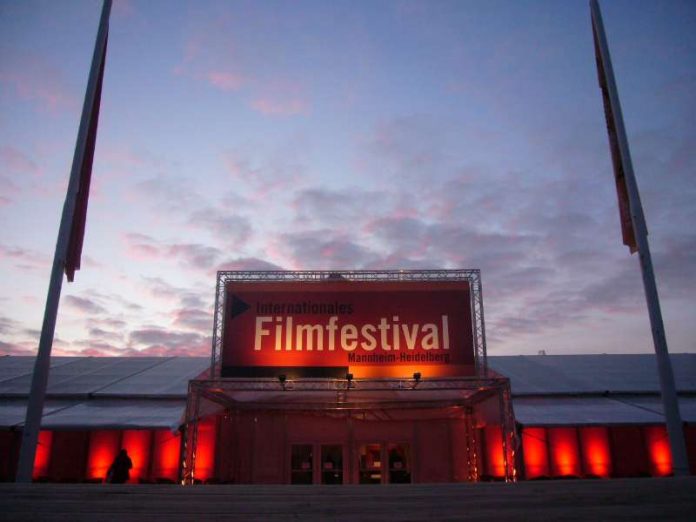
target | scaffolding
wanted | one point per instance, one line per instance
(472, 276)
(371, 399)
(379, 399)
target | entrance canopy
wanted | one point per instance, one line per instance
(207, 396)
(478, 401)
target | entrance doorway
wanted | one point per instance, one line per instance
(326, 469)
(384, 463)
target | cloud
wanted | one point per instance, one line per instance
(34, 79)
(247, 263)
(225, 81)
(275, 173)
(321, 249)
(169, 193)
(85, 305)
(159, 341)
(16, 349)
(7, 325)
(24, 259)
(191, 255)
(340, 208)
(17, 162)
(231, 229)
(280, 105)
(200, 321)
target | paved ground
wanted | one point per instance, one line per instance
(627, 499)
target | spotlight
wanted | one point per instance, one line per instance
(416, 378)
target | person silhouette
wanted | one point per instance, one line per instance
(119, 471)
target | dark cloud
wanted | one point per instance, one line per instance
(228, 228)
(194, 255)
(247, 263)
(190, 255)
(83, 304)
(24, 259)
(200, 321)
(15, 349)
(7, 325)
(320, 249)
(341, 208)
(160, 341)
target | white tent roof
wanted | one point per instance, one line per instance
(150, 392)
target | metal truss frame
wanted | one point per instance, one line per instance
(473, 276)
(220, 392)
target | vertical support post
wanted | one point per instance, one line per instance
(39, 381)
(508, 431)
(618, 133)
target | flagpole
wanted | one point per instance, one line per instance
(32, 423)
(680, 464)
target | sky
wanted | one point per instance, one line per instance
(347, 135)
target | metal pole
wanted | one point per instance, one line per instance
(32, 422)
(669, 395)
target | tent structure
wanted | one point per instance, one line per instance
(561, 403)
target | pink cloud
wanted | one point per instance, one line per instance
(225, 81)
(7, 187)
(141, 247)
(124, 8)
(280, 107)
(33, 79)
(15, 160)
(24, 259)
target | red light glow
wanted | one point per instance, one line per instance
(595, 449)
(495, 460)
(205, 449)
(137, 444)
(43, 454)
(536, 458)
(166, 455)
(564, 451)
(659, 451)
(103, 448)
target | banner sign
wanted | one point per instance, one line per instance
(347, 324)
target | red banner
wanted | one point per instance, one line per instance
(376, 326)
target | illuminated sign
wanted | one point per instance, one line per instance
(348, 324)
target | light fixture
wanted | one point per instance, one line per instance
(416, 378)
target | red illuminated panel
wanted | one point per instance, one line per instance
(659, 452)
(103, 448)
(596, 451)
(43, 454)
(205, 449)
(165, 459)
(495, 460)
(137, 443)
(564, 452)
(534, 447)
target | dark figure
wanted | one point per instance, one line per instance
(119, 471)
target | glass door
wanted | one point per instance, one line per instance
(301, 464)
(331, 464)
(370, 464)
(399, 463)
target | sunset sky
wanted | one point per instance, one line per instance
(347, 135)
